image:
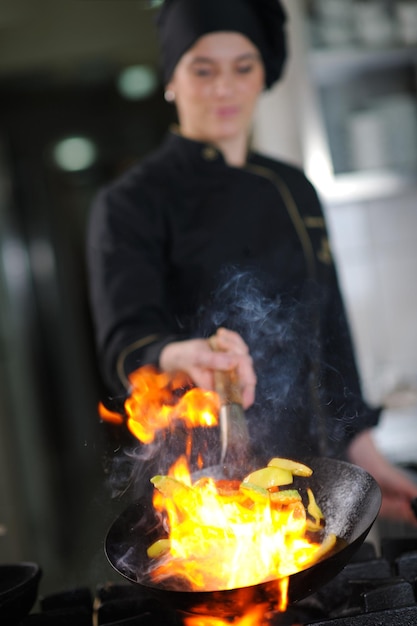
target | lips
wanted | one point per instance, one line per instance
(226, 112)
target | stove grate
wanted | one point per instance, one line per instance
(371, 590)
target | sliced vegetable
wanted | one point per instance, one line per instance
(267, 487)
(296, 468)
(167, 485)
(254, 492)
(314, 527)
(269, 477)
(286, 496)
(326, 546)
(227, 487)
(157, 549)
(313, 508)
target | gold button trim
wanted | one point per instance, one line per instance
(312, 221)
(325, 254)
(209, 153)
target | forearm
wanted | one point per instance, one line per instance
(398, 489)
(362, 451)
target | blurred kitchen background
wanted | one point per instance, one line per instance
(80, 100)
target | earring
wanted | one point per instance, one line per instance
(169, 95)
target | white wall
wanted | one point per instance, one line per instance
(376, 252)
(277, 127)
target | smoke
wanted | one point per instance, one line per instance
(292, 415)
(283, 340)
(274, 328)
(130, 467)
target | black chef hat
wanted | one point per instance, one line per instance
(182, 22)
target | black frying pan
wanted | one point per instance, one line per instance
(348, 496)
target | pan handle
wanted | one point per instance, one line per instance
(226, 384)
(234, 434)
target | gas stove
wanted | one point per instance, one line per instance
(377, 587)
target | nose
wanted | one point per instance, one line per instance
(224, 84)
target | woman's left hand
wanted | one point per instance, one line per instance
(397, 489)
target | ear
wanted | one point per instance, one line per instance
(169, 86)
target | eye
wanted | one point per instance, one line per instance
(245, 69)
(202, 71)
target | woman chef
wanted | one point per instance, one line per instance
(206, 235)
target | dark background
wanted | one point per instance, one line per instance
(58, 78)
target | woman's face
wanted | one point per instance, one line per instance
(216, 85)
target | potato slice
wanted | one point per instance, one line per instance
(296, 468)
(168, 485)
(313, 508)
(314, 527)
(157, 549)
(254, 492)
(326, 547)
(269, 477)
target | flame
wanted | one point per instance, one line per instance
(110, 416)
(253, 617)
(224, 537)
(158, 399)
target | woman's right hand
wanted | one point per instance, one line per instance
(197, 358)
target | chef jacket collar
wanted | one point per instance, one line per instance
(199, 151)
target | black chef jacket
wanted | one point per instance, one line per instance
(183, 243)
